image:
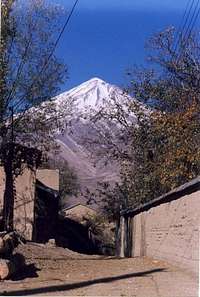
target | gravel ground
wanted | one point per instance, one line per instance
(57, 271)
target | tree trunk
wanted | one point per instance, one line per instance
(8, 207)
(9, 193)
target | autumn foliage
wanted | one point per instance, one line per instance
(162, 150)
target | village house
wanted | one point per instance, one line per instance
(73, 230)
(36, 202)
(83, 230)
(78, 212)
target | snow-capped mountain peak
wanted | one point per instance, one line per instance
(92, 93)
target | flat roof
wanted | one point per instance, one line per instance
(185, 189)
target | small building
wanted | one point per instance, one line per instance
(79, 213)
(73, 229)
(80, 230)
(166, 228)
(34, 188)
(46, 205)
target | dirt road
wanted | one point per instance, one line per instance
(56, 271)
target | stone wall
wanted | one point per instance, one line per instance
(169, 230)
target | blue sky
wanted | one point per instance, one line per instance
(106, 37)
(127, 4)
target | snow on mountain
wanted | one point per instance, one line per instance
(89, 98)
(93, 93)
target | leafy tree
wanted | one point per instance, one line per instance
(30, 75)
(165, 148)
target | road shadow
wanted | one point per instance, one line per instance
(66, 287)
(103, 258)
(28, 271)
(100, 258)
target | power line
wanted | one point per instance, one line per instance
(183, 23)
(189, 29)
(62, 31)
(193, 20)
(197, 15)
(53, 50)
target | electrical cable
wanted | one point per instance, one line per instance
(52, 52)
(192, 20)
(190, 28)
(183, 23)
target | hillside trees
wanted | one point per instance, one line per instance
(30, 75)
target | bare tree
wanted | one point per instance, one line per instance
(30, 75)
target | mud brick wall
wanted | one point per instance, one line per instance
(25, 185)
(24, 201)
(49, 178)
(170, 231)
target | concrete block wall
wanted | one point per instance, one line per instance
(170, 231)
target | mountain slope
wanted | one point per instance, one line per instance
(89, 99)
